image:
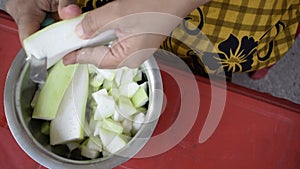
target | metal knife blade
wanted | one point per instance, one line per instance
(38, 69)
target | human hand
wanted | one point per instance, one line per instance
(141, 26)
(30, 14)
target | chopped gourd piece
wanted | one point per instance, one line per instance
(116, 144)
(73, 145)
(118, 76)
(117, 116)
(140, 98)
(69, 122)
(97, 128)
(97, 81)
(127, 126)
(144, 85)
(106, 136)
(126, 108)
(128, 75)
(128, 89)
(108, 74)
(138, 77)
(94, 143)
(138, 120)
(87, 152)
(53, 91)
(108, 84)
(111, 125)
(105, 105)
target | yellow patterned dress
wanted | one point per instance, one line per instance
(231, 35)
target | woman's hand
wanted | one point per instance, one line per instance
(31, 13)
(141, 26)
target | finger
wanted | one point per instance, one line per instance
(68, 9)
(96, 21)
(28, 21)
(99, 56)
(121, 54)
(131, 52)
(27, 25)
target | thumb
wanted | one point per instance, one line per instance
(95, 21)
(88, 26)
(68, 9)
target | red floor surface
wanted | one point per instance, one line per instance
(256, 130)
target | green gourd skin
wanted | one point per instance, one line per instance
(53, 91)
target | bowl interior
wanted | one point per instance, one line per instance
(27, 131)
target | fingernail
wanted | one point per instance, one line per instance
(79, 31)
(67, 61)
(70, 11)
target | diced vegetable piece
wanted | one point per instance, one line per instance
(53, 91)
(144, 85)
(73, 145)
(111, 125)
(114, 92)
(140, 98)
(97, 81)
(138, 120)
(118, 76)
(106, 136)
(126, 137)
(105, 105)
(92, 69)
(116, 144)
(108, 74)
(127, 126)
(87, 152)
(69, 122)
(100, 92)
(138, 77)
(117, 116)
(126, 109)
(105, 153)
(128, 75)
(108, 84)
(94, 143)
(45, 128)
(128, 89)
(141, 109)
(97, 127)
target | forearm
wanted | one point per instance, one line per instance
(166, 14)
(180, 8)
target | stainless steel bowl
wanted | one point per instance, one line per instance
(19, 91)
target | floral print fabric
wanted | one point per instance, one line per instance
(231, 35)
